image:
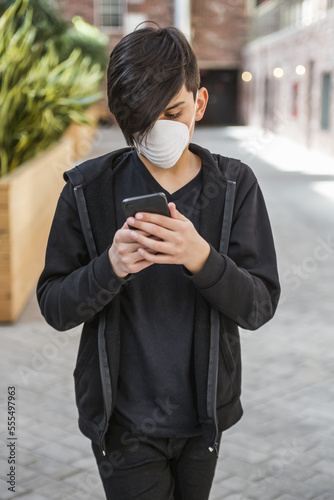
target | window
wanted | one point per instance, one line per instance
(326, 101)
(269, 102)
(294, 110)
(109, 13)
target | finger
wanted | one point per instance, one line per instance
(126, 227)
(175, 214)
(157, 219)
(124, 235)
(153, 230)
(151, 251)
(136, 258)
(158, 258)
(140, 265)
(144, 233)
(151, 243)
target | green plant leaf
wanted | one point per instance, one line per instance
(40, 93)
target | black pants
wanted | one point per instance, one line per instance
(151, 468)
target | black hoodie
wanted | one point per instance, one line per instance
(78, 285)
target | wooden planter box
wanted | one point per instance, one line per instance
(28, 198)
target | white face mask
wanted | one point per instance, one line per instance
(166, 142)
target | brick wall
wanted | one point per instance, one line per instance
(219, 32)
(162, 12)
(296, 99)
(83, 8)
(218, 26)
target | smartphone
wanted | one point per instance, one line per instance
(155, 203)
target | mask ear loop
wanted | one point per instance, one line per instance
(193, 119)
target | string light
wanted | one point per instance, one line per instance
(300, 70)
(278, 72)
(246, 76)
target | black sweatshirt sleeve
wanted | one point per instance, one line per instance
(72, 288)
(244, 284)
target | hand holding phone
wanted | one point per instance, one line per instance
(123, 246)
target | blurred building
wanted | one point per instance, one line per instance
(289, 64)
(215, 28)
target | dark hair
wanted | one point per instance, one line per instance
(147, 68)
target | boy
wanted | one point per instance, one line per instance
(154, 394)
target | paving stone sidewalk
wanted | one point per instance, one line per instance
(283, 448)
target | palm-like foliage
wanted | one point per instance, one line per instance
(39, 96)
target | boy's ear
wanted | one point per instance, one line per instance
(202, 101)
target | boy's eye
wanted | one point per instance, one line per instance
(175, 115)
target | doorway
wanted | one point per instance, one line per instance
(222, 105)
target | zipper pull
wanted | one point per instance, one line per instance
(103, 446)
(214, 448)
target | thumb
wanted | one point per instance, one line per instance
(175, 214)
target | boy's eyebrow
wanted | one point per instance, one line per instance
(175, 105)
